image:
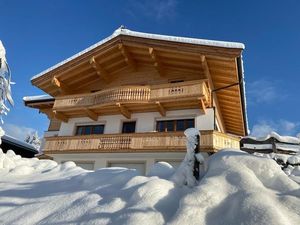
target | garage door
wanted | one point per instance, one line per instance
(140, 167)
(174, 163)
(86, 166)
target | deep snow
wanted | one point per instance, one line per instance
(237, 188)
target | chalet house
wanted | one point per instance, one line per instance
(126, 100)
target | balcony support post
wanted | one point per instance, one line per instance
(202, 105)
(124, 111)
(92, 115)
(161, 109)
(60, 116)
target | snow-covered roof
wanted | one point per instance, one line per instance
(18, 142)
(285, 139)
(37, 98)
(127, 32)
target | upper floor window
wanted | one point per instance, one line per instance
(89, 129)
(174, 125)
(128, 127)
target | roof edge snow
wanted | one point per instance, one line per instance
(127, 32)
(37, 98)
(284, 139)
(16, 141)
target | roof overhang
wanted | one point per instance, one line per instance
(222, 60)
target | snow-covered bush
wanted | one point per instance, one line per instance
(5, 81)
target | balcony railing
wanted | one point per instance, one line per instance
(136, 94)
(211, 141)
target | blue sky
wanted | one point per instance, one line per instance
(38, 34)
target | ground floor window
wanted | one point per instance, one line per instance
(89, 129)
(174, 125)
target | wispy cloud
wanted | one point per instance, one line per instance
(283, 127)
(264, 91)
(157, 9)
(19, 132)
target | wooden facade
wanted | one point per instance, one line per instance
(132, 99)
(126, 74)
(211, 141)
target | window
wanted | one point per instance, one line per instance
(128, 127)
(174, 125)
(85, 165)
(89, 129)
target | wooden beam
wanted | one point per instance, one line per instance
(127, 56)
(101, 72)
(91, 114)
(213, 98)
(62, 87)
(205, 66)
(161, 109)
(203, 107)
(124, 111)
(156, 63)
(48, 112)
(60, 116)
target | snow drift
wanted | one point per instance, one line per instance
(238, 188)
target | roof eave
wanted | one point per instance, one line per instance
(243, 93)
(126, 32)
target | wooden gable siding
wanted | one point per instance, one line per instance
(145, 75)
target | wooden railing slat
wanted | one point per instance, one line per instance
(136, 94)
(210, 140)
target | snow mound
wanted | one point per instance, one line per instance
(238, 188)
(161, 169)
(294, 159)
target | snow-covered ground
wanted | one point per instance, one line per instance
(237, 188)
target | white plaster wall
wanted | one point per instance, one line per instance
(205, 121)
(145, 122)
(102, 160)
(50, 133)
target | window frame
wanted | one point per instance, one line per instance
(84, 126)
(174, 121)
(128, 121)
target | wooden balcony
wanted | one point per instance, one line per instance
(136, 99)
(211, 141)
